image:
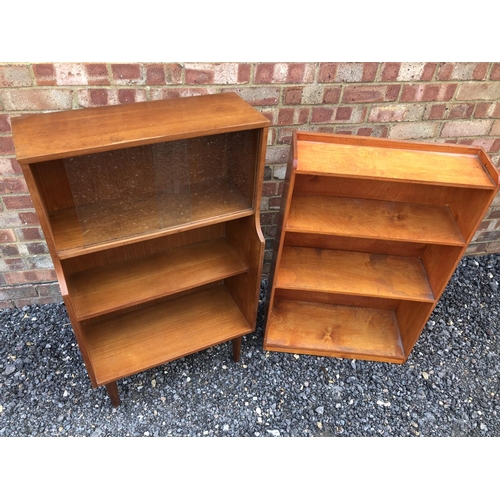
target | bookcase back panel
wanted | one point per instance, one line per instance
(374, 189)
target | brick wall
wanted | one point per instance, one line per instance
(442, 102)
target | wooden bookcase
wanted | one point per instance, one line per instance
(370, 232)
(151, 215)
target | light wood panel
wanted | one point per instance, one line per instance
(353, 273)
(332, 330)
(129, 343)
(145, 123)
(424, 167)
(361, 218)
(110, 288)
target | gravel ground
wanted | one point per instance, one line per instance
(448, 387)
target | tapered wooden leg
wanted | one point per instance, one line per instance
(236, 349)
(112, 389)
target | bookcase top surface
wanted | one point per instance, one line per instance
(63, 134)
(385, 159)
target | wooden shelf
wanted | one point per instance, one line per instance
(353, 273)
(333, 330)
(426, 164)
(162, 332)
(151, 213)
(374, 219)
(106, 289)
(370, 233)
(115, 223)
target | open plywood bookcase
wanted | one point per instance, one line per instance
(370, 232)
(151, 215)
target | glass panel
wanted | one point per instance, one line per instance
(123, 193)
(114, 193)
(172, 181)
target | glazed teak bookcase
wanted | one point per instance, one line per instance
(370, 232)
(151, 215)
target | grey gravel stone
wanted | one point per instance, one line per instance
(45, 390)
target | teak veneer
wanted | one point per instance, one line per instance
(151, 215)
(370, 232)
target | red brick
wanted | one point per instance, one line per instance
(460, 111)
(274, 203)
(45, 74)
(327, 72)
(16, 277)
(15, 264)
(7, 235)
(264, 73)
(199, 77)
(155, 74)
(97, 74)
(126, 95)
(321, 115)
(127, 74)
(4, 124)
(38, 248)
(445, 71)
(6, 146)
(286, 116)
(495, 147)
(15, 76)
(436, 112)
(480, 71)
(331, 95)
(30, 234)
(292, 96)
(303, 116)
(270, 114)
(9, 250)
(98, 97)
(343, 113)
(371, 93)
(495, 72)
(428, 72)
(28, 218)
(390, 71)
(296, 73)
(18, 202)
(15, 185)
(369, 72)
(484, 110)
(244, 73)
(428, 92)
(269, 188)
